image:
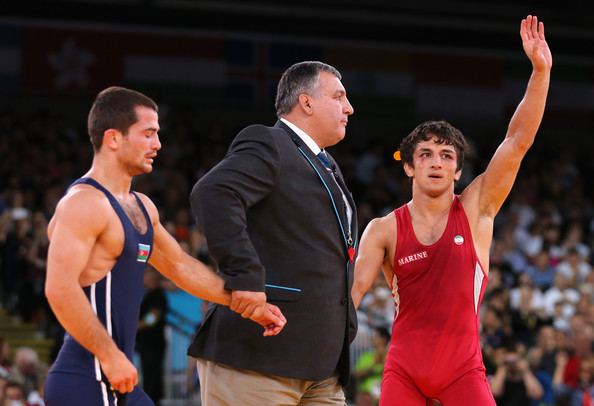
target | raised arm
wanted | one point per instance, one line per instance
(494, 185)
(69, 252)
(372, 255)
(196, 278)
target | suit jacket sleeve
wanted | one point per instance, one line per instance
(220, 201)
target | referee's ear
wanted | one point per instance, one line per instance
(305, 104)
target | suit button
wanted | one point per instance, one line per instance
(343, 301)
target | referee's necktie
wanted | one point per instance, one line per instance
(323, 157)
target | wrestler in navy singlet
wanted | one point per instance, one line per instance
(75, 377)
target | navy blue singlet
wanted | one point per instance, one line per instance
(76, 378)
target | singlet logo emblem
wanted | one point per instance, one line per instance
(459, 240)
(143, 252)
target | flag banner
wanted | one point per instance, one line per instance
(74, 60)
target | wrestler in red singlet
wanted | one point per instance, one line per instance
(435, 350)
(438, 283)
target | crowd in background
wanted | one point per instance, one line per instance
(537, 317)
(21, 376)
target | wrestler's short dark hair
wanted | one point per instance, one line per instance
(114, 108)
(442, 131)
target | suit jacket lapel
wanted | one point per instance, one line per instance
(328, 177)
(320, 167)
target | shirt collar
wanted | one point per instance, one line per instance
(315, 148)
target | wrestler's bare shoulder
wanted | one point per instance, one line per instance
(82, 205)
(383, 229)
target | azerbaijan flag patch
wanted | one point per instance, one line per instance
(143, 252)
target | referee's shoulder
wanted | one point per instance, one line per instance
(258, 132)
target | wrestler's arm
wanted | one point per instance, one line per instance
(78, 222)
(372, 255)
(196, 278)
(493, 186)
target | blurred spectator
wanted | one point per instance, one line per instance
(32, 303)
(582, 394)
(507, 256)
(551, 243)
(378, 305)
(574, 267)
(13, 247)
(370, 365)
(493, 328)
(150, 339)
(588, 312)
(27, 370)
(526, 295)
(560, 320)
(499, 299)
(35, 398)
(495, 280)
(530, 240)
(561, 293)
(3, 382)
(14, 394)
(514, 384)
(541, 272)
(579, 350)
(521, 205)
(542, 357)
(527, 310)
(5, 350)
(574, 239)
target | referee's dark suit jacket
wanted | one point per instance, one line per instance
(272, 216)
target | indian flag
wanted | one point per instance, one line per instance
(143, 252)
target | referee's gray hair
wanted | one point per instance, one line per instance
(302, 77)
